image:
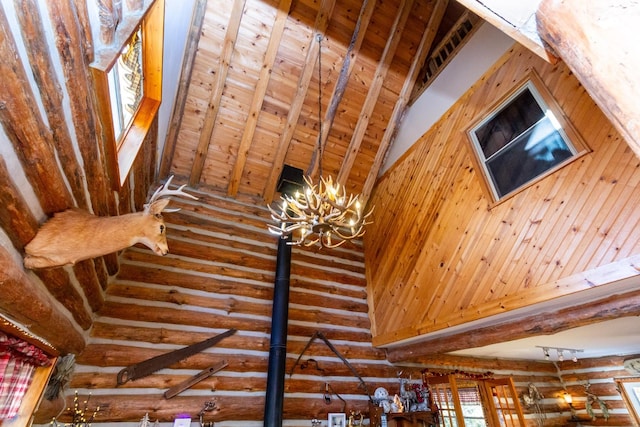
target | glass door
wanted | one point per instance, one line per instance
(462, 402)
(459, 402)
(504, 406)
(444, 395)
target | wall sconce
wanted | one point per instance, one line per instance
(560, 352)
(569, 401)
(568, 398)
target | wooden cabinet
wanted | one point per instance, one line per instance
(411, 419)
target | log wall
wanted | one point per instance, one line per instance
(218, 275)
(600, 375)
(440, 254)
(551, 379)
(51, 159)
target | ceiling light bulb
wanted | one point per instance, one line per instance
(560, 355)
(546, 353)
(568, 398)
(575, 356)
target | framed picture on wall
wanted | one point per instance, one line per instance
(337, 420)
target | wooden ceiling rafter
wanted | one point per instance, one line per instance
(504, 19)
(357, 38)
(216, 93)
(374, 90)
(320, 26)
(249, 106)
(562, 24)
(258, 96)
(418, 60)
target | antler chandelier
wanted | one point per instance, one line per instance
(321, 214)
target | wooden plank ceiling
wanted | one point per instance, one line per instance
(249, 97)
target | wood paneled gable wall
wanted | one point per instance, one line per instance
(438, 254)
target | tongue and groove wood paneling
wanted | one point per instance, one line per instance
(440, 254)
(252, 103)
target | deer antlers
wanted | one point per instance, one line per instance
(164, 191)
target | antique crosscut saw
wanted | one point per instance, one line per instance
(149, 366)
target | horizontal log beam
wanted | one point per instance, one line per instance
(513, 19)
(162, 335)
(621, 305)
(27, 303)
(119, 356)
(235, 276)
(119, 408)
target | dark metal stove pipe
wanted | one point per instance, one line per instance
(274, 401)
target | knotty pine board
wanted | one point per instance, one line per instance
(508, 258)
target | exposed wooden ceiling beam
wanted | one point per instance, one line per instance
(606, 61)
(612, 307)
(418, 60)
(258, 95)
(374, 90)
(515, 19)
(366, 11)
(216, 92)
(320, 26)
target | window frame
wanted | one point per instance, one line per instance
(545, 102)
(631, 402)
(121, 152)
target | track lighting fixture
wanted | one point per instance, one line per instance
(560, 352)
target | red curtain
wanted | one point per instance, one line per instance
(18, 361)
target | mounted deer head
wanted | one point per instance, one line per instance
(75, 235)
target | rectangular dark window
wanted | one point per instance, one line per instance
(522, 139)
